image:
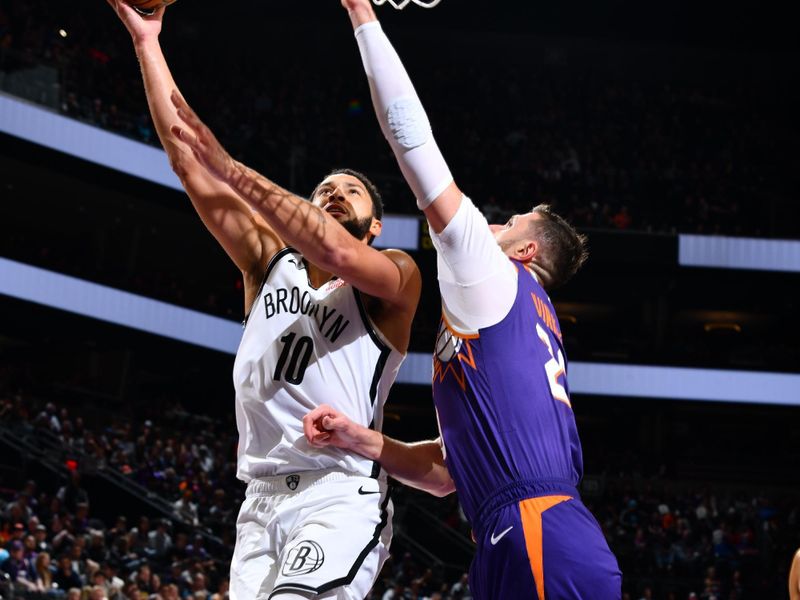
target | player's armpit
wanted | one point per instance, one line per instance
(401, 116)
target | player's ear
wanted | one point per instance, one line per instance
(376, 228)
(526, 251)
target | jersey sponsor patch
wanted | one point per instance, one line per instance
(306, 557)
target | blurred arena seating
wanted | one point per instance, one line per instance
(117, 447)
(632, 137)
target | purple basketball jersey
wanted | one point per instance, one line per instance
(503, 404)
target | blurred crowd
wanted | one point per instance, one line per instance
(671, 542)
(710, 544)
(650, 154)
(52, 544)
(614, 153)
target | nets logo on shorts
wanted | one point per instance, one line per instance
(304, 558)
(292, 481)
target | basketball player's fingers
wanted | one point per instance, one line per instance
(185, 136)
(310, 429)
(320, 441)
(317, 415)
(202, 133)
(335, 423)
(185, 112)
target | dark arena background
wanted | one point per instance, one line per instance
(666, 131)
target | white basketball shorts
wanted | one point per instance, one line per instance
(323, 533)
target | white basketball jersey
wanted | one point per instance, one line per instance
(303, 347)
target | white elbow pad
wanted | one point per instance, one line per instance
(403, 119)
(408, 122)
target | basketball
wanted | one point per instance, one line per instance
(148, 7)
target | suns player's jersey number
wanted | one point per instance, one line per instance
(554, 368)
(294, 358)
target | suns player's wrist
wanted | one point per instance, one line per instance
(370, 443)
(361, 14)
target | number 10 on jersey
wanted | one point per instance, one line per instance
(295, 356)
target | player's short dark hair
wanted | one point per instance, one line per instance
(372, 189)
(564, 250)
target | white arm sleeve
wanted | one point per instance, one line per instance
(401, 116)
(477, 280)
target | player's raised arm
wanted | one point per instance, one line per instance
(391, 275)
(246, 238)
(477, 281)
(420, 465)
(403, 119)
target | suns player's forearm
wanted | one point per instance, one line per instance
(419, 465)
(405, 124)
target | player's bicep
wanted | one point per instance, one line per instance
(444, 208)
(477, 280)
(391, 275)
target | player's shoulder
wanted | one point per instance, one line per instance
(401, 258)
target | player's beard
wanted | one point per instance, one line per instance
(358, 228)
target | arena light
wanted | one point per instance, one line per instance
(74, 295)
(723, 252)
(45, 128)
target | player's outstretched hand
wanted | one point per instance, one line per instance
(141, 27)
(326, 426)
(195, 134)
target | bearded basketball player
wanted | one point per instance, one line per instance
(328, 317)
